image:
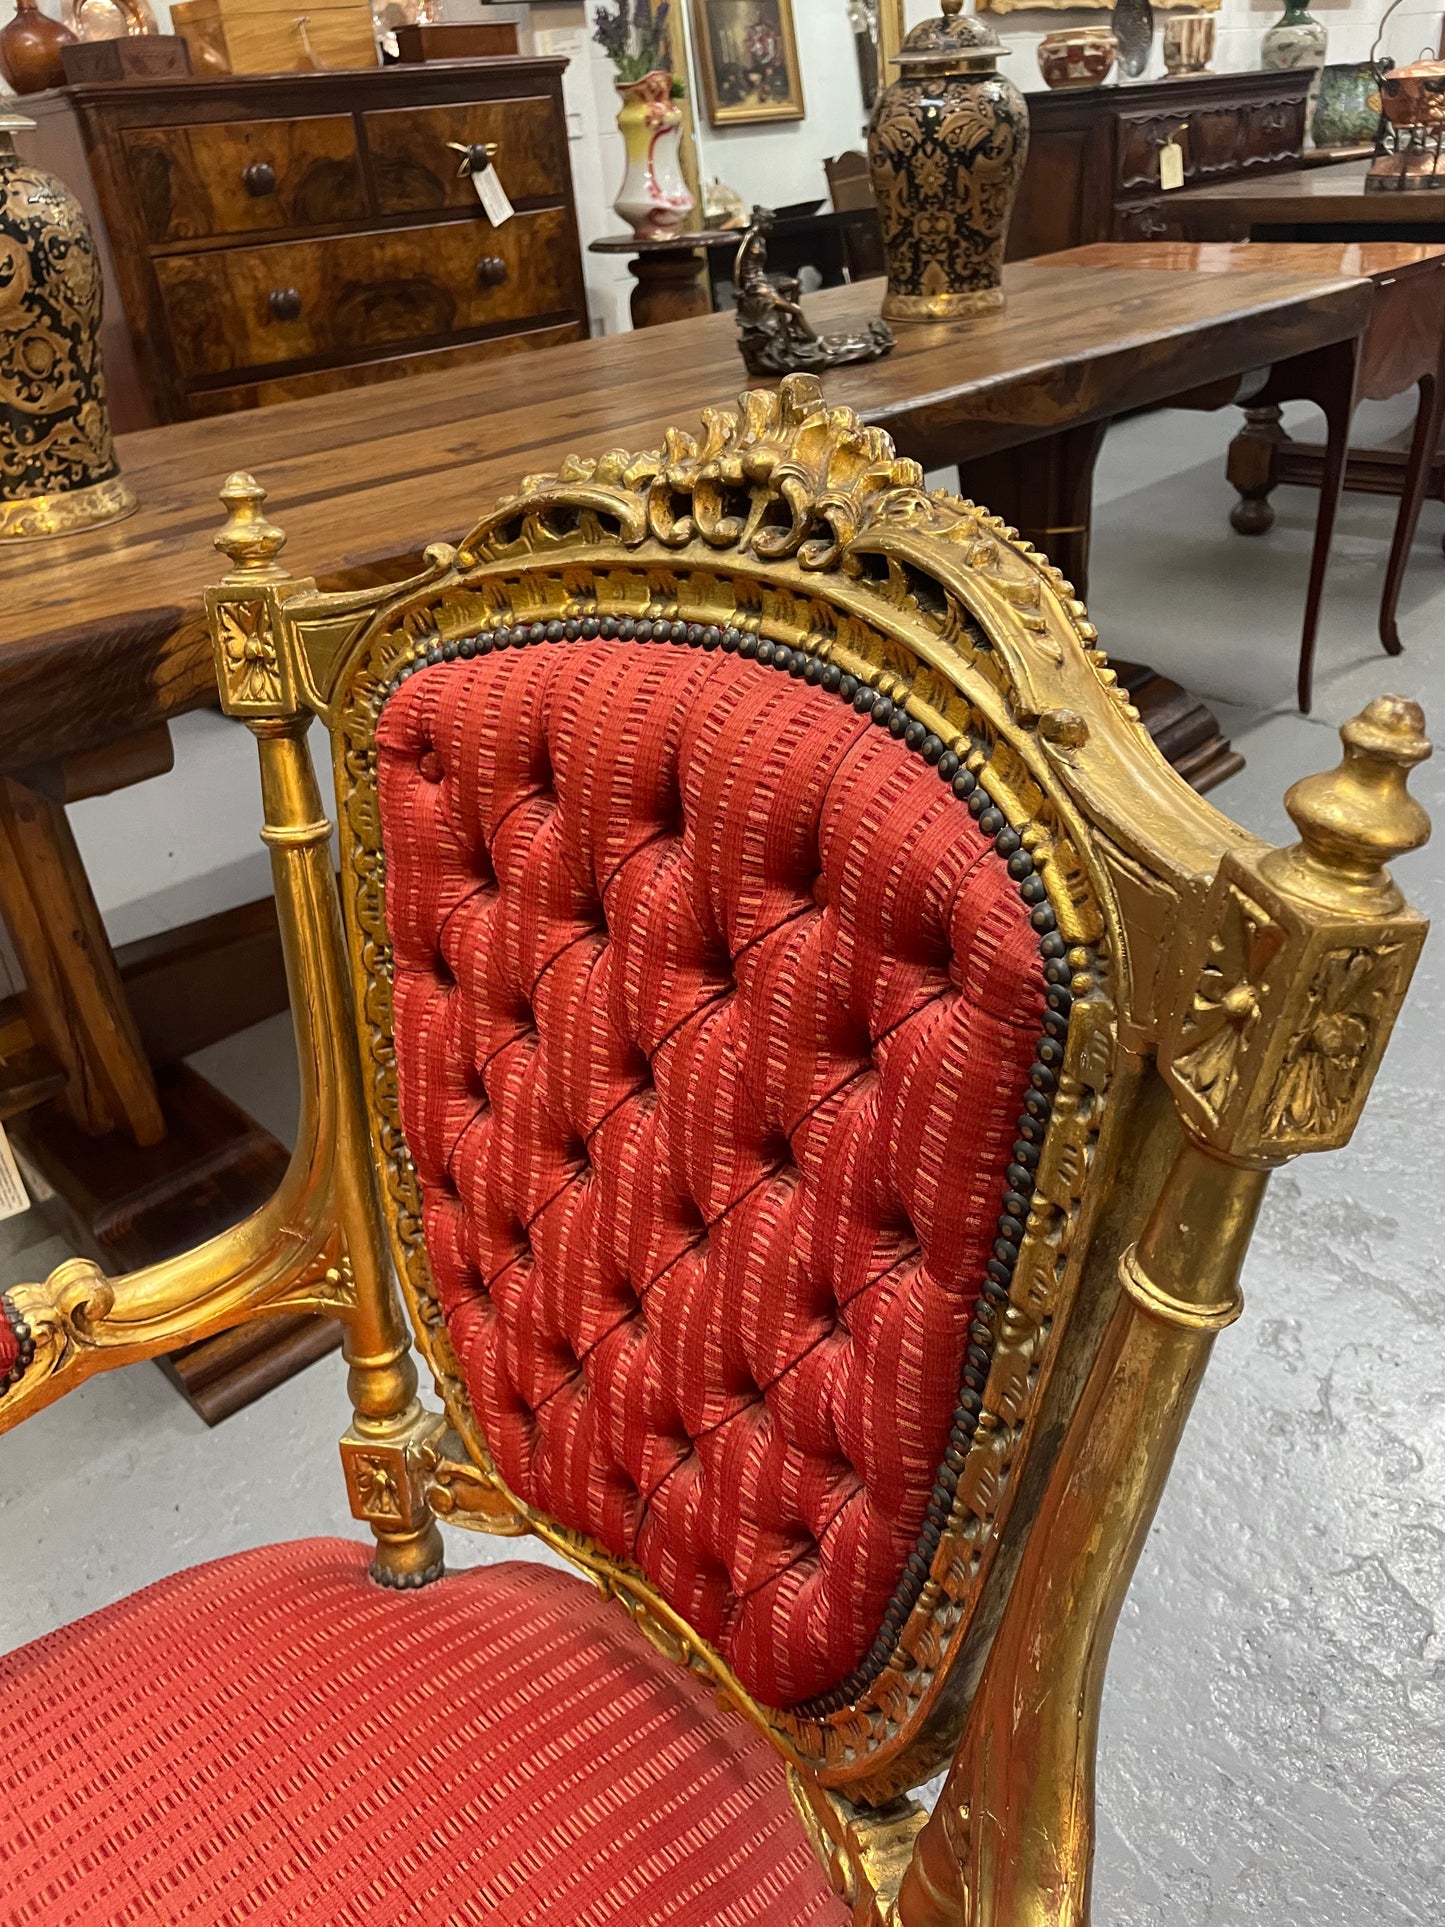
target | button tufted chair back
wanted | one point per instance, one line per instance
(725, 1048)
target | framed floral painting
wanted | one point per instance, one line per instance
(747, 56)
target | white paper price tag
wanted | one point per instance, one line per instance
(13, 1196)
(1171, 165)
(493, 196)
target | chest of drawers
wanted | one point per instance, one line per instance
(1093, 166)
(283, 235)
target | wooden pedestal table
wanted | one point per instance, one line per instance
(1403, 347)
(103, 637)
(671, 273)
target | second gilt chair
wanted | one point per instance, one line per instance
(813, 1070)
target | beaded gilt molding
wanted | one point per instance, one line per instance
(795, 537)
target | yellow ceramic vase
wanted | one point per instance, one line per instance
(654, 200)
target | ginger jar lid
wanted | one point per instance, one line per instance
(954, 43)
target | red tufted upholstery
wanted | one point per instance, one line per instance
(714, 1015)
(272, 1738)
(9, 1345)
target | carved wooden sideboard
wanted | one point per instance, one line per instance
(1093, 167)
(283, 235)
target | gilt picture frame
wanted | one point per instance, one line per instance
(747, 60)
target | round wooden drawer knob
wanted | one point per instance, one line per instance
(259, 179)
(491, 271)
(285, 303)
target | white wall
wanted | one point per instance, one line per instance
(1352, 25)
(777, 162)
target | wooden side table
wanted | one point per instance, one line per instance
(1310, 204)
(1403, 346)
(671, 273)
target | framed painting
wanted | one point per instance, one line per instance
(747, 56)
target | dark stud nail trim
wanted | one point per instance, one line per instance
(804, 662)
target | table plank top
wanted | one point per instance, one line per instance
(1373, 260)
(102, 633)
(1306, 197)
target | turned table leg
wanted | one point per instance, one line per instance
(1045, 488)
(672, 285)
(1252, 468)
(136, 1164)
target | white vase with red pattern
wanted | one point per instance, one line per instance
(654, 200)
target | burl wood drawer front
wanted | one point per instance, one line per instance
(415, 170)
(244, 176)
(346, 295)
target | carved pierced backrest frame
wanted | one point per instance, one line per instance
(789, 533)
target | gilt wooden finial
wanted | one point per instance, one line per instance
(248, 538)
(1355, 819)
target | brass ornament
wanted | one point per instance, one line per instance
(58, 470)
(775, 337)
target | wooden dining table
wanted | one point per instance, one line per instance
(103, 642)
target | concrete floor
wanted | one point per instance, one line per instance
(1273, 1744)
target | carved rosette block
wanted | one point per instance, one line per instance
(387, 1478)
(254, 668)
(1305, 957)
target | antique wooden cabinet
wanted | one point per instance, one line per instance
(1093, 166)
(275, 236)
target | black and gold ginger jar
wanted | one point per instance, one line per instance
(946, 145)
(58, 470)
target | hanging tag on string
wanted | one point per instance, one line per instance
(13, 1196)
(493, 196)
(1171, 162)
(478, 165)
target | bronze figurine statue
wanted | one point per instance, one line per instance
(775, 336)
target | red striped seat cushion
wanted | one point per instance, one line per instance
(273, 1738)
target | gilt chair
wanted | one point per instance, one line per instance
(808, 1070)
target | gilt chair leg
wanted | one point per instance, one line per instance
(1011, 1841)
